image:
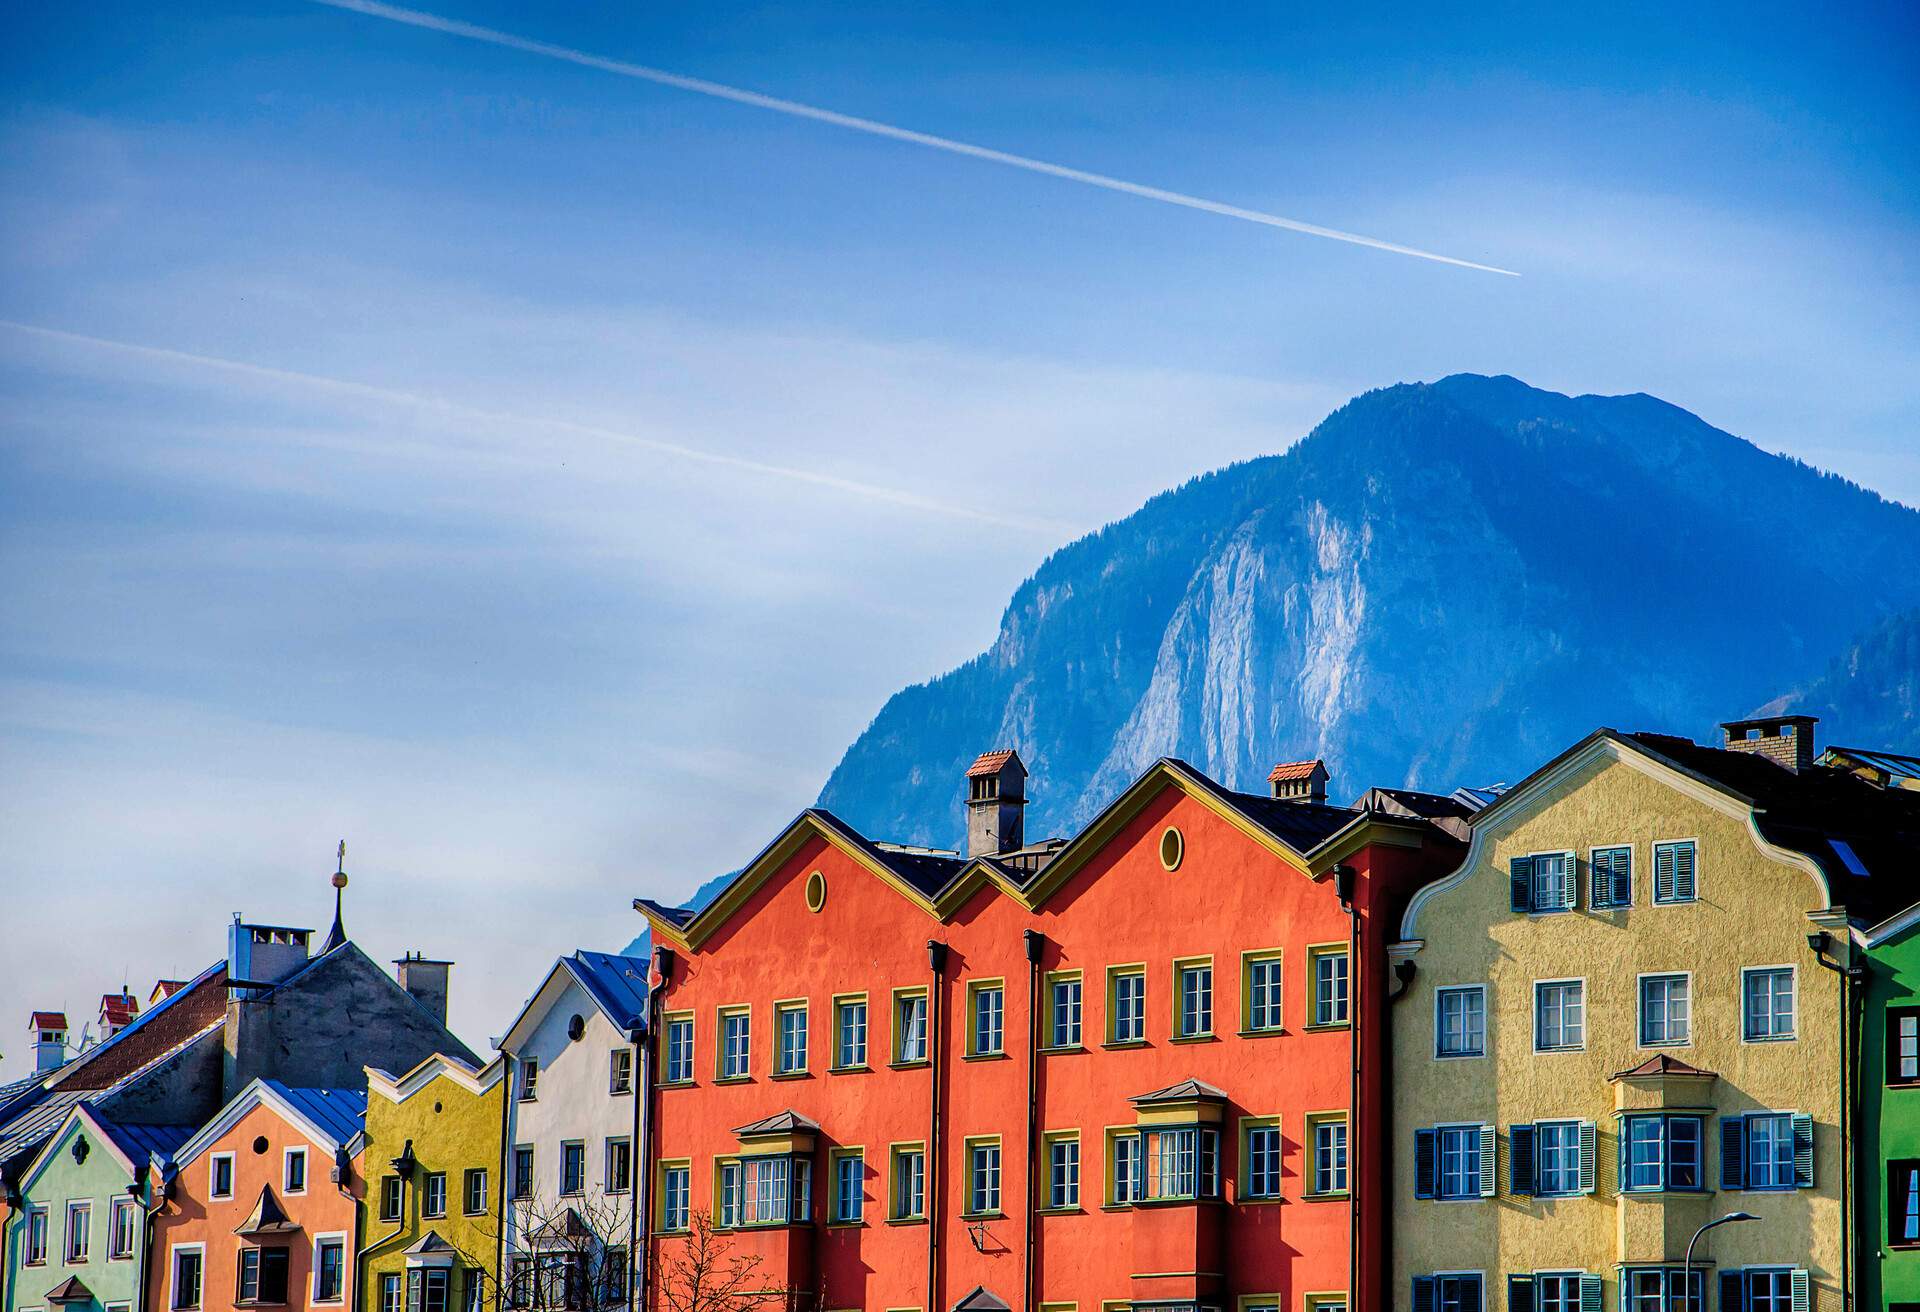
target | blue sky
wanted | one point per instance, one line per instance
(538, 476)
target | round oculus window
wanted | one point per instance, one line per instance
(260, 1146)
(1172, 848)
(816, 891)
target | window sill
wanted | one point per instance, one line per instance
(1569, 1047)
(1271, 1032)
(733, 1079)
(673, 1084)
(618, 1093)
(668, 1231)
(1459, 1056)
(1669, 1043)
(1113, 1045)
(861, 1069)
(390, 1220)
(995, 1215)
(846, 1225)
(983, 1056)
(1194, 1038)
(1074, 1210)
(790, 1075)
(477, 1211)
(1327, 1025)
(906, 1220)
(907, 1065)
(1768, 1038)
(1057, 1048)
(1332, 1196)
(1263, 1200)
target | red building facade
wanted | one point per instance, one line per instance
(1115, 1071)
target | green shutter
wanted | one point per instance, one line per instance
(1733, 1292)
(1591, 1292)
(1663, 872)
(1802, 1295)
(1520, 1168)
(1685, 885)
(1588, 1155)
(1520, 883)
(1733, 1151)
(1425, 1153)
(1423, 1294)
(1486, 1161)
(1802, 1151)
(1519, 1294)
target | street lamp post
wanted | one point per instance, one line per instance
(1686, 1294)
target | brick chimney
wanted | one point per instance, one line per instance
(49, 1031)
(996, 801)
(1786, 740)
(426, 981)
(1299, 781)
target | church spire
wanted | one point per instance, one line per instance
(338, 934)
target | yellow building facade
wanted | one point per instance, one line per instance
(431, 1221)
(1615, 1029)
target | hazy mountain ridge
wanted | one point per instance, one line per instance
(1442, 583)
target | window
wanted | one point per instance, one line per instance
(1674, 877)
(329, 1270)
(529, 1079)
(1551, 1159)
(1665, 1010)
(1661, 1153)
(1559, 1015)
(79, 1231)
(263, 1276)
(987, 1028)
(1180, 1162)
(983, 1177)
(1774, 1289)
(1542, 883)
(186, 1277)
(473, 1193)
(1194, 981)
(294, 1176)
(1261, 1179)
(476, 1290)
(1127, 1006)
(679, 1050)
(1453, 1161)
(1063, 1171)
(619, 1164)
(1610, 878)
(120, 1229)
(36, 1253)
(620, 1071)
(1556, 1291)
(1460, 1021)
(522, 1174)
(573, 1167)
(1123, 1170)
(1329, 1138)
(849, 1186)
(790, 1024)
(1063, 1012)
(1329, 986)
(392, 1197)
(909, 1183)
(765, 1190)
(220, 1175)
(427, 1290)
(1261, 993)
(849, 1034)
(393, 1293)
(676, 1183)
(1903, 1203)
(1658, 1289)
(736, 1044)
(1766, 1150)
(910, 1027)
(1766, 1004)
(1448, 1293)
(1903, 1045)
(433, 1194)
(614, 1268)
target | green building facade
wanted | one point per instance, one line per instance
(1889, 1195)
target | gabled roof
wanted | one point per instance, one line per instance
(47, 1020)
(267, 1216)
(981, 1299)
(1660, 1066)
(616, 985)
(118, 1008)
(1188, 1090)
(993, 762)
(169, 1026)
(1288, 771)
(787, 1122)
(429, 1244)
(1308, 836)
(327, 1117)
(164, 989)
(562, 1229)
(70, 1290)
(399, 1088)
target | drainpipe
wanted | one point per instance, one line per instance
(639, 1187)
(1403, 973)
(1849, 976)
(650, 1085)
(156, 1198)
(503, 1195)
(13, 1201)
(937, 965)
(1035, 942)
(1344, 879)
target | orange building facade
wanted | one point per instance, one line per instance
(1118, 1071)
(261, 1206)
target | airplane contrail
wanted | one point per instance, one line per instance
(720, 91)
(612, 436)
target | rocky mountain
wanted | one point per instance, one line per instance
(1869, 695)
(1441, 584)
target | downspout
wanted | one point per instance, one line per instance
(1344, 878)
(937, 965)
(13, 1201)
(650, 1090)
(1848, 974)
(643, 1177)
(156, 1198)
(350, 1290)
(1403, 973)
(1035, 942)
(503, 1196)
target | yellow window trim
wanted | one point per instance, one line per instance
(834, 1158)
(967, 1145)
(1248, 960)
(1309, 1123)
(1315, 1302)
(1046, 1001)
(1315, 951)
(1242, 1134)
(894, 1152)
(840, 1001)
(894, 1034)
(1113, 975)
(975, 987)
(1045, 1171)
(783, 1007)
(1180, 966)
(660, 1169)
(720, 1015)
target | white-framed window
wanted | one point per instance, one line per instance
(736, 1045)
(393, 1294)
(1767, 1004)
(1460, 1021)
(1129, 1021)
(1063, 1013)
(1766, 1151)
(433, 1194)
(1196, 1000)
(1330, 986)
(186, 1268)
(220, 1175)
(79, 1239)
(989, 1036)
(1553, 882)
(36, 1246)
(529, 1079)
(1766, 1289)
(1557, 1165)
(1459, 1175)
(522, 1172)
(1125, 1171)
(909, 1183)
(1264, 994)
(1610, 877)
(1180, 1162)
(1063, 1172)
(675, 1192)
(983, 1178)
(680, 1050)
(1664, 1153)
(573, 1167)
(473, 1192)
(393, 1195)
(1666, 1014)
(1675, 871)
(1329, 1157)
(1659, 1289)
(619, 1071)
(120, 1229)
(1559, 1015)
(293, 1171)
(1450, 1291)
(910, 1028)
(849, 1187)
(330, 1268)
(791, 1020)
(850, 1033)
(1263, 1162)
(619, 1165)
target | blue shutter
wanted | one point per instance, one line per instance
(1590, 1294)
(1569, 880)
(1425, 1151)
(1520, 883)
(1733, 1152)
(1733, 1292)
(1423, 1294)
(1801, 1299)
(1519, 1294)
(1486, 1161)
(1588, 1153)
(1685, 886)
(1520, 1171)
(1663, 873)
(1802, 1151)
